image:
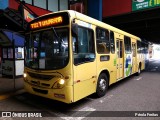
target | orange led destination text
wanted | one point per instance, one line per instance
(48, 22)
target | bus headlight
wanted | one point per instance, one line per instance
(59, 84)
(24, 75)
(61, 81)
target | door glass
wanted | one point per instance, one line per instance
(118, 49)
(134, 49)
(121, 51)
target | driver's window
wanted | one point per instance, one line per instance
(83, 46)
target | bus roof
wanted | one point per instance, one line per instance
(88, 19)
(85, 18)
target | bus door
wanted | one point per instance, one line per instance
(134, 61)
(120, 61)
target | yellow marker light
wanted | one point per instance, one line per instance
(61, 82)
(24, 75)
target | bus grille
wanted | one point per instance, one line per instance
(40, 76)
(40, 91)
(41, 84)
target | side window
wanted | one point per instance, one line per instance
(127, 43)
(112, 42)
(138, 46)
(83, 46)
(134, 49)
(103, 43)
(121, 49)
(146, 48)
(117, 44)
(143, 45)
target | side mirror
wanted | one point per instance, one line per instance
(75, 36)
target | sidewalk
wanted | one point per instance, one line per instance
(9, 86)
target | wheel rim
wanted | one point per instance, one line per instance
(102, 84)
(139, 71)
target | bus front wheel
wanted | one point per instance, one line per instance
(102, 85)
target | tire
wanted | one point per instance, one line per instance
(139, 71)
(102, 85)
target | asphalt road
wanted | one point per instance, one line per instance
(134, 96)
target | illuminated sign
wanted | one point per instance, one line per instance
(47, 22)
(144, 4)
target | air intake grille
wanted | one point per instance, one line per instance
(40, 76)
(40, 91)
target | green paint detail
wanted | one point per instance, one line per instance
(115, 62)
(128, 71)
(144, 4)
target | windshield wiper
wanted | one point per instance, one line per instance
(58, 37)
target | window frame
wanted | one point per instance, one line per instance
(75, 52)
(103, 41)
(134, 49)
(112, 50)
(127, 51)
(139, 47)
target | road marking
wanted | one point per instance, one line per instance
(76, 115)
(106, 98)
(139, 78)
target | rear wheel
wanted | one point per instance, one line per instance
(102, 85)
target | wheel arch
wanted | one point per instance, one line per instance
(140, 65)
(105, 71)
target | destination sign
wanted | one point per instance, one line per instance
(47, 22)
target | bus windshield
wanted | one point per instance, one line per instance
(47, 49)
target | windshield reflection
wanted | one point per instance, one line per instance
(47, 49)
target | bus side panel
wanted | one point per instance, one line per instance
(143, 60)
(113, 69)
(128, 60)
(128, 64)
(134, 55)
(140, 57)
(109, 66)
(84, 80)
